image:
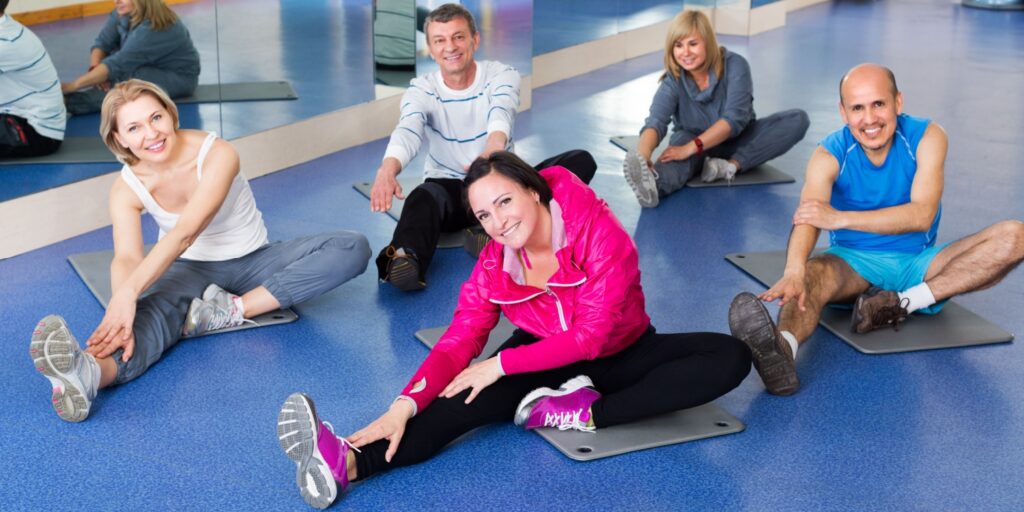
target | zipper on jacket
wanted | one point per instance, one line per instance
(558, 305)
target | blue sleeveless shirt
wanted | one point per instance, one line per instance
(862, 186)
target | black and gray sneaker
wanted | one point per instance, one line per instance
(641, 178)
(403, 270)
(750, 322)
(475, 240)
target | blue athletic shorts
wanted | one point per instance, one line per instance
(894, 271)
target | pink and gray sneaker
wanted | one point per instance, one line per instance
(565, 408)
(319, 455)
(73, 374)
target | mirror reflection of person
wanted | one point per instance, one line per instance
(876, 186)
(141, 39)
(464, 110)
(32, 116)
(213, 246)
(585, 357)
(708, 95)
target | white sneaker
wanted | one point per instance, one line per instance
(218, 309)
(641, 178)
(73, 374)
(717, 169)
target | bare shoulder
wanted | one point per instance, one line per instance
(122, 196)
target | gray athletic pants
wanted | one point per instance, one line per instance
(761, 141)
(292, 271)
(174, 84)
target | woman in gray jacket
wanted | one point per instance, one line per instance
(707, 93)
(142, 39)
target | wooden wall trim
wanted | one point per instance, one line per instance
(68, 12)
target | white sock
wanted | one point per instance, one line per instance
(237, 301)
(920, 297)
(793, 345)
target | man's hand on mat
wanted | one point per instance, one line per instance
(390, 426)
(385, 186)
(477, 377)
(791, 287)
(115, 331)
(819, 214)
(675, 153)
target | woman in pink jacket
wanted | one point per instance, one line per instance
(564, 271)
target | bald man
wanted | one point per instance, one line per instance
(876, 186)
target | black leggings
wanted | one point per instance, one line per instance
(437, 206)
(18, 139)
(659, 373)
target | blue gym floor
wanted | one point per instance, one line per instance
(938, 430)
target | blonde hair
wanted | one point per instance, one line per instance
(117, 97)
(156, 11)
(688, 23)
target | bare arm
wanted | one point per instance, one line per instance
(717, 133)
(822, 171)
(96, 75)
(916, 215)
(96, 56)
(126, 214)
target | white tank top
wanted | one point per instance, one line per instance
(237, 228)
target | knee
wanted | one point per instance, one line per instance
(802, 121)
(352, 250)
(1009, 235)
(733, 358)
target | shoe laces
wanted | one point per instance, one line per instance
(893, 314)
(227, 317)
(567, 420)
(342, 439)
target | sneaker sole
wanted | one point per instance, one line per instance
(856, 317)
(405, 276)
(633, 171)
(475, 242)
(53, 357)
(777, 371)
(297, 427)
(526, 404)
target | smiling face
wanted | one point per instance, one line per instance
(508, 211)
(146, 128)
(869, 105)
(452, 45)
(690, 52)
(124, 7)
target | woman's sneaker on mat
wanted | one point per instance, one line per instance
(773, 359)
(565, 408)
(217, 309)
(74, 374)
(641, 178)
(717, 169)
(320, 457)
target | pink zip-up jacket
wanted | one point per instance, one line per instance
(592, 307)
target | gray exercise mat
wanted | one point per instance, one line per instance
(764, 174)
(700, 422)
(955, 326)
(94, 269)
(74, 150)
(243, 91)
(447, 240)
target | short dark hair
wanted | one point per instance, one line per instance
(3, 5)
(512, 167)
(448, 12)
(892, 82)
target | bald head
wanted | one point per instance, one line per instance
(868, 73)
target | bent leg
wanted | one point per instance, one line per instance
(767, 138)
(18, 139)
(579, 162)
(661, 373)
(978, 261)
(432, 207)
(827, 279)
(297, 270)
(85, 101)
(673, 175)
(159, 315)
(174, 84)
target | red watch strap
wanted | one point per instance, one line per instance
(700, 145)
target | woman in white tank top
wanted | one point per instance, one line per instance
(212, 239)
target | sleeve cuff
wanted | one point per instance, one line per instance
(415, 408)
(501, 369)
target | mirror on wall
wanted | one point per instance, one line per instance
(397, 24)
(505, 28)
(563, 23)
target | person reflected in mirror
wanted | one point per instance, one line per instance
(464, 110)
(32, 116)
(876, 186)
(707, 94)
(584, 357)
(212, 268)
(141, 39)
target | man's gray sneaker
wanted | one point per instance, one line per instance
(215, 310)
(641, 178)
(73, 374)
(750, 322)
(717, 169)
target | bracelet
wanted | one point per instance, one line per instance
(700, 145)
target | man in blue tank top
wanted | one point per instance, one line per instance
(876, 186)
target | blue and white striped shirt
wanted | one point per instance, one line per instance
(29, 87)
